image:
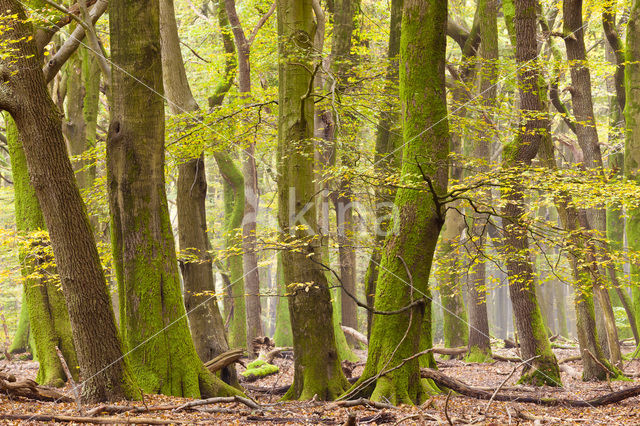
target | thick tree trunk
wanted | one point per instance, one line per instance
(154, 327)
(24, 95)
(408, 253)
(317, 368)
(205, 321)
(520, 152)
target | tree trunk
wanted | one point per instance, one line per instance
(632, 145)
(282, 336)
(153, 321)
(455, 324)
(587, 135)
(48, 318)
(317, 368)
(205, 321)
(409, 248)
(24, 95)
(479, 342)
(251, 190)
(518, 153)
(386, 161)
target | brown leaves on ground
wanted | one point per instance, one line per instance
(459, 409)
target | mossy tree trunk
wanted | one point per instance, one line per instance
(235, 312)
(317, 368)
(409, 248)
(520, 152)
(44, 304)
(24, 95)
(205, 321)
(153, 321)
(632, 144)
(20, 342)
(282, 336)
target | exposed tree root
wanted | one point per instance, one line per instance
(464, 389)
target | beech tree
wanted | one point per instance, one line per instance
(406, 262)
(24, 95)
(153, 320)
(317, 368)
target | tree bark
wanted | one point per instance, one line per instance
(205, 320)
(632, 144)
(587, 135)
(317, 368)
(24, 95)
(519, 153)
(153, 320)
(47, 315)
(410, 246)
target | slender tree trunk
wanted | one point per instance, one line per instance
(479, 342)
(317, 368)
(632, 145)
(587, 135)
(153, 320)
(205, 321)
(519, 153)
(386, 160)
(47, 316)
(24, 95)
(251, 190)
(234, 211)
(409, 248)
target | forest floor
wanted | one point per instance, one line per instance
(444, 409)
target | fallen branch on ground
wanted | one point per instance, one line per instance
(272, 354)
(119, 409)
(27, 388)
(506, 358)
(569, 359)
(464, 389)
(364, 402)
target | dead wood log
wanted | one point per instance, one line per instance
(364, 402)
(355, 334)
(450, 351)
(92, 420)
(569, 359)
(272, 354)
(29, 389)
(224, 359)
(197, 403)
(464, 389)
(506, 358)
